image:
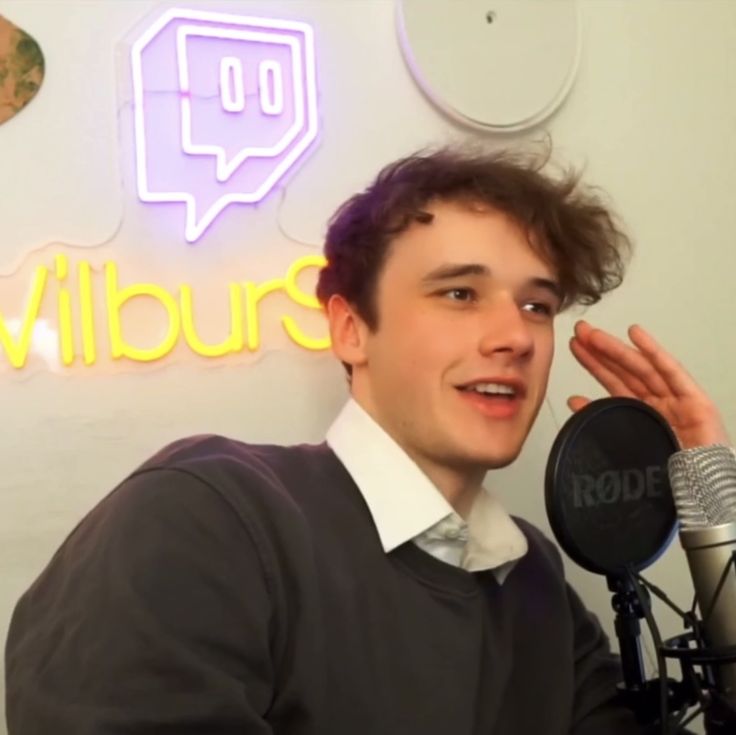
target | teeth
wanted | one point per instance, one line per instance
(492, 388)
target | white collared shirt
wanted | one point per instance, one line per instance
(406, 505)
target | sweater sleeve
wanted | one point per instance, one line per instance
(154, 617)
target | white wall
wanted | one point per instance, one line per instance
(652, 116)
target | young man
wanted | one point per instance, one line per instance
(368, 585)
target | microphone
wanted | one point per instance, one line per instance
(607, 490)
(611, 509)
(704, 487)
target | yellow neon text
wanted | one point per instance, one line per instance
(17, 351)
(81, 325)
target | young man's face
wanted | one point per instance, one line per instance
(463, 304)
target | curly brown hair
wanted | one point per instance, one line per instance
(567, 224)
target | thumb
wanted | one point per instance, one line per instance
(575, 403)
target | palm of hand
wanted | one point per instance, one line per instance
(648, 373)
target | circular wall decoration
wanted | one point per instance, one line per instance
(502, 65)
(21, 69)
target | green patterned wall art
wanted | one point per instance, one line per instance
(21, 69)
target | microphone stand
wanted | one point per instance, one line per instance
(628, 631)
(692, 649)
(649, 700)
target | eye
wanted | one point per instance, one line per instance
(538, 307)
(459, 294)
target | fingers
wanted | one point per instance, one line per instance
(679, 381)
(615, 380)
(647, 372)
(638, 370)
(600, 370)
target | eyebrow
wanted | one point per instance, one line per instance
(450, 271)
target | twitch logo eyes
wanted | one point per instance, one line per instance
(224, 107)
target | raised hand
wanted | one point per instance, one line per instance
(647, 372)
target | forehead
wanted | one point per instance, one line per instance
(462, 232)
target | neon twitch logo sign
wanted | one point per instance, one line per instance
(224, 107)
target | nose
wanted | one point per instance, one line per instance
(504, 329)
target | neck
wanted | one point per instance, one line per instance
(459, 486)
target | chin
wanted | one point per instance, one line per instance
(498, 460)
(498, 463)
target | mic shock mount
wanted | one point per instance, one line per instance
(644, 697)
(651, 700)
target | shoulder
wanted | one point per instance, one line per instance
(248, 479)
(220, 461)
(203, 497)
(202, 452)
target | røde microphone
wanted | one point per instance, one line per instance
(607, 491)
(704, 487)
(610, 506)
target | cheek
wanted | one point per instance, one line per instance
(545, 353)
(419, 344)
(430, 347)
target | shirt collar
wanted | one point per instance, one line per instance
(379, 466)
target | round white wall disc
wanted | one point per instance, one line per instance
(503, 65)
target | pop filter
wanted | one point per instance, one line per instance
(607, 490)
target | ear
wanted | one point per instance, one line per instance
(348, 331)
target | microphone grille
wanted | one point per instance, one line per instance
(703, 483)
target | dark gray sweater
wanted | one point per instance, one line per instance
(226, 589)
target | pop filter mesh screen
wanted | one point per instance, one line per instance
(607, 490)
